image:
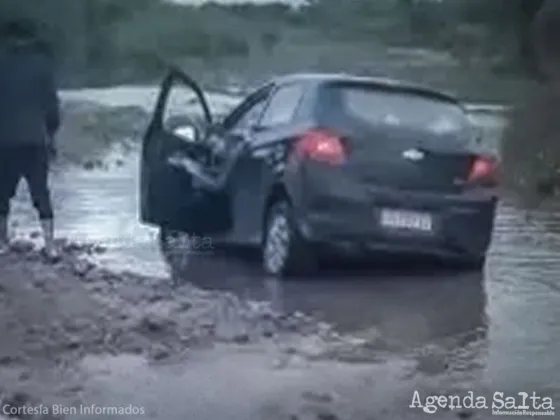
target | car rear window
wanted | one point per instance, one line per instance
(401, 109)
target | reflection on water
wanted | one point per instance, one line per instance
(98, 206)
(406, 309)
(523, 291)
(437, 319)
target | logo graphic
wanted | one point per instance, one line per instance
(413, 154)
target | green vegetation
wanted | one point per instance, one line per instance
(112, 41)
(102, 41)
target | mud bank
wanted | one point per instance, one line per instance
(76, 334)
(53, 315)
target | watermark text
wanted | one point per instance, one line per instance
(501, 404)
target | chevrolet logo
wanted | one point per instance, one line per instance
(413, 154)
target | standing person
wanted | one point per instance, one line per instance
(29, 120)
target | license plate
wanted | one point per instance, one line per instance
(401, 219)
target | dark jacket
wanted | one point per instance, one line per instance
(29, 103)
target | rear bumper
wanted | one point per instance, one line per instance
(462, 225)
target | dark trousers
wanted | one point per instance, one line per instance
(32, 164)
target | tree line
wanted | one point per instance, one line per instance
(94, 37)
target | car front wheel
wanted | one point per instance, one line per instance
(284, 251)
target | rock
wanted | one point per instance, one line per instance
(160, 353)
(186, 305)
(289, 350)
(99, 249)
(102, 274)
(73, 342)
(298, 315)
(313, 347)
(93, 287)
(73, 247)
(135, 348)
(34, 329)
(291, 324)
(317, 397)
(94, 276)
(327, 416)
(153, 324)
(22, 246)
(242, 338)
(39, 283)
(89, 165)
(281, 362)
(324, 329)
(207, 324)
(123, 317)
(25, 375)
(268, 333)
(52, 258)
(6, 360)
(156, 296)
(82, 267)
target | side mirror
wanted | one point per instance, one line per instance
(188, 133)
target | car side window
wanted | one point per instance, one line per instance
(249, 117)
(248, 112)
(181, 107)
(283, 106)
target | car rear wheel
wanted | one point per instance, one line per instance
(285, 252)
(174, 247)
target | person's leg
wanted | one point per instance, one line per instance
(37, 175)
(4, 210)
(9, 179)
(4, 237)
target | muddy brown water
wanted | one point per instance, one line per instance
(498, 330)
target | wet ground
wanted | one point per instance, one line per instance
(413, 328)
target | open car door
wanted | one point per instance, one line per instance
(173, 191)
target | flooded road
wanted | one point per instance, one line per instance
(498, 330)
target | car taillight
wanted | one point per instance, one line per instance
(321, 146)
(484, 171)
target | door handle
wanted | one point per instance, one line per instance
(258, 128)
(259, 153)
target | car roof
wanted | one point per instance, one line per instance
(381, 82)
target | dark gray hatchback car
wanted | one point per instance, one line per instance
(311, 164)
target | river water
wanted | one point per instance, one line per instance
(498, 330)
